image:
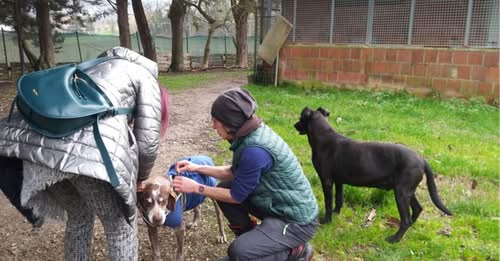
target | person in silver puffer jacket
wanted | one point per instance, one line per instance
(68, 175)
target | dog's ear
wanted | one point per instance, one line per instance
(323, 111)
(172, 198)
(141, 186)
(306, 113)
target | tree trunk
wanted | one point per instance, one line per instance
(240, 14)
(18, 26)
(241, 42)
(176, 14)
(47, 56)
(123, 25)
(206, 53)
(33, 60)
(147, 41)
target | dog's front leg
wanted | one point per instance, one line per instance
(155, 243)
(196, 217)
(327, 193)
(179, 234)
(218, 212)
(339, 197)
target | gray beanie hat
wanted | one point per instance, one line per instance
(233, 108)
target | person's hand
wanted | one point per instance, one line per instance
(185, 165)
(185, 185)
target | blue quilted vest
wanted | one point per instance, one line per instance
(284, 190)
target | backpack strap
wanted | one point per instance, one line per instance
(122, 111)
(12, 108)
(87, 64)
(113, 178)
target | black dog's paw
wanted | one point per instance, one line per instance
(393, 239)
(325, 220)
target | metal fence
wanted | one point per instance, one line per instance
(265, 17)
(434, 23)
(78, 47)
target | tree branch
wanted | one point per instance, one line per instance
(113, 5)
(210, 19)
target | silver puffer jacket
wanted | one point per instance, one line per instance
(130, 82)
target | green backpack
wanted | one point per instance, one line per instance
(60, 101)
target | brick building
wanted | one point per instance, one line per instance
(446, 48)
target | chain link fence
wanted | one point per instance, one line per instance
(78, 47)
(429, 23)
(74, 47)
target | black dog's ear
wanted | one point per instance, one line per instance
(323, 111)
(306, 113)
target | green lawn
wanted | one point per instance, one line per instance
(461, 142)
(459, 139)
(180, 81)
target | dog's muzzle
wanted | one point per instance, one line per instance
(299, 126)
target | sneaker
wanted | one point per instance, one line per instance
(301, 253)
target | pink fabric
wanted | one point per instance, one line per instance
(164, 111)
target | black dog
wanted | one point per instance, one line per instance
(340, 160)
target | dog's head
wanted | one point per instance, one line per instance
(306, 116)
(156, 198)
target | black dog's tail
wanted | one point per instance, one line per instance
(11, 181)
(431, 185)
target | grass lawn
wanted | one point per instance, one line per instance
(459, 139)
(181, 81)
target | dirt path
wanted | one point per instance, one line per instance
(189, 133)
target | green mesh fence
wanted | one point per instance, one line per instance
(84, 46)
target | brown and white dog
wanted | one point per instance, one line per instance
(156, 198)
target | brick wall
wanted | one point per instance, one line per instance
(459, 73)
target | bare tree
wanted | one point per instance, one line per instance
(142, 27)
(16, 21)
(176, 13)
(47, 55)
(209, 9)
(158, 19)
(19, 14)
(16, 13)
(241, 9)
(121, 8)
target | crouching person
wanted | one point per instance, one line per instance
(264, 181)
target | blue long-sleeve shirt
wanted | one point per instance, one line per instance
(254, 161)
